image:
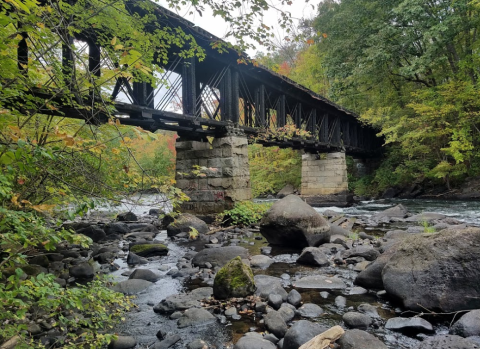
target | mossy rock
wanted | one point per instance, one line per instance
(33, 270)
(184, 224)
(149, 250)
(235, 279)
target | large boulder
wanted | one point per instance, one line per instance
(184, 224)
(82, 271)
(292, 222)
(127, 217)
(179, 302)
(358, 339)
(94, 232)
(386, 216)
(412, 325)
(365, 251)
(195, 317)
(219, 256)
(286, 190)
(275, 323)
(439, 271)
(235, 279)
(132, 286)
(117, 228)
(250, 342)
(144, 274)
(468, 325)
(313, 256)
(301, 332)
(269, 285)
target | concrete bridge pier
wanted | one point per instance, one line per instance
(214, 176)
(324, 179)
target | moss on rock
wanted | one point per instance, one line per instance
(235, 279)
(149, 250)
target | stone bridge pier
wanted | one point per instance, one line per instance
(215, 175)
(324, 179)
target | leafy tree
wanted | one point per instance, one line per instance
(273, 168)
(409, 68)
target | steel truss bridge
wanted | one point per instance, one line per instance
(202, 99)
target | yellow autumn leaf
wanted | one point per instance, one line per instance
(115, 151)
(43, 207)
(117, 122)
(114, 40)
(69, 141)
(15, 200)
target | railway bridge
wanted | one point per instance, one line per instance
(220, 104)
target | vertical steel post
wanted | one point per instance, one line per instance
(298, 116)
(313, 123)
(22, 53)
(226, 96)
(260, 106)
(281, 111)
(189, 87)
(235, 109)
(346, 133)
(94, 59)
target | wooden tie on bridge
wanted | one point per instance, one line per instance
(208, 98)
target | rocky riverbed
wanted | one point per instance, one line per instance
(379, 276)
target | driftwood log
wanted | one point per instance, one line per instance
(323, 340)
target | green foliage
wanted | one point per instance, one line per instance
(23, 231)
(273, 168)
(353, 236)
(427, 228)
(83, 315)
(245, 213)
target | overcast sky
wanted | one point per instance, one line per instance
(215, 25)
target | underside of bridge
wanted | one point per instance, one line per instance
(225, 97)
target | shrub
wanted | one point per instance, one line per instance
(245, 213)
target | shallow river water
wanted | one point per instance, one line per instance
(143, 323)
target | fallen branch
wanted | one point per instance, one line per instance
(221, 229)
(324, 339)
(433, 313)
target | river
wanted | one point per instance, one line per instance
(143, 323)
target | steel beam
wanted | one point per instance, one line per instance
(298, 116)
(22, 53)
(94, 59)
(189, 87)
(260, 106)
(226, 96)
(281, 111)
